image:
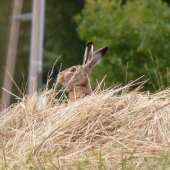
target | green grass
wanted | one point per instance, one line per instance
(44, 161)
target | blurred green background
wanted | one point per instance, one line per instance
(130, 28)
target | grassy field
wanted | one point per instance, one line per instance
(111, 129)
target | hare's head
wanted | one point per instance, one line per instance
(78, 76)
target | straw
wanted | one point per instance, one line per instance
(112, 122)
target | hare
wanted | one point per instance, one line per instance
(77, 78)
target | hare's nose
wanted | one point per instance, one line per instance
(59, 74)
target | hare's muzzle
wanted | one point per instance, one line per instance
(60, 78)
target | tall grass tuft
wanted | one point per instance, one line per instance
(110, 129)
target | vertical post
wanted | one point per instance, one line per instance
(11, 56)
(41, 40)
(37, 37)
(33, 67)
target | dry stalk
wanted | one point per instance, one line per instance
(107, 121)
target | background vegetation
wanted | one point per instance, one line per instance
(129, 28)
(60, 38)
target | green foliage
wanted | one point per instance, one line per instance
(99, 158)
(129, 30)
(61, 38)
(5, 13)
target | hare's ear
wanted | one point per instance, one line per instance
(88, 55)
(97, 56)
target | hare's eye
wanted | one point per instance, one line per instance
(72, 69)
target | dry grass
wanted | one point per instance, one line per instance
(112, 121)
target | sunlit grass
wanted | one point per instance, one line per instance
(110, 129)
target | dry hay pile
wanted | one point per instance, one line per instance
(110, 121)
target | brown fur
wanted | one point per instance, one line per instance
(77, 78)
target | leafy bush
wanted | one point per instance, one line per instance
(129, 30)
